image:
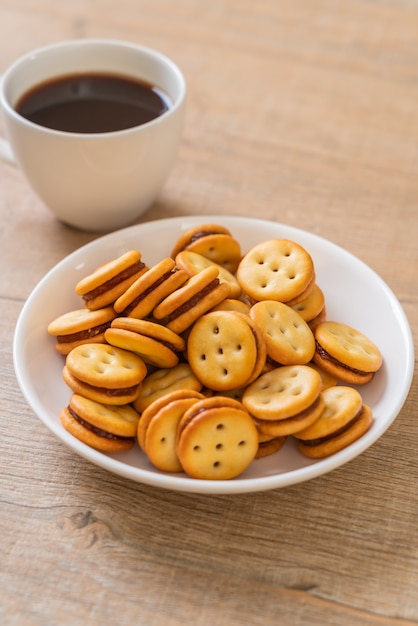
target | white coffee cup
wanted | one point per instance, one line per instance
(94, 181)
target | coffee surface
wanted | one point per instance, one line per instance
(92, 103)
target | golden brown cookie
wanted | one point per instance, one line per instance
(150, 288)
(193, 263)
(157, 428)
(346, 353)
(312, 307)
(223, 350)
(289, 340)
(344, 419)
(103, 427)
(164, 381)
(80, 326)
(284, 400)
(104, 373)
(277, 269)
(155, 344)
(268, 445)
(212, 241)
(103, 286)
(185, 305)
(216, 443)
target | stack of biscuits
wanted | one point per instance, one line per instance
(211, 358)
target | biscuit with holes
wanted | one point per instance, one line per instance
(284, 400)
(80, 326)
(343, 420)
(288, 338)
(193, 263)
(101, 426)
(223, 350)
(157, 428)
(155, 344)
(346, 353)
(312, 309)
(163, 381)
(150, 288)
(277, 269)
(184, 306)
(104, 373)
(103, 286)
(216, 442)
(212, 241)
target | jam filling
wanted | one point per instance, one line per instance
(84, 334)
(97, 431)
(192, 302)
(325, 355)
(112, 282)
(200, 234)
(113, 393)
(340, 431)
(147, 291)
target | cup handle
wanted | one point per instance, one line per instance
(6, 153)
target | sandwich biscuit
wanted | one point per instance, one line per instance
(109, 281)
(284, 400)
(276, 269)
(193, 263)
(80, 326)
(151, 287)
(155, 344)
(288, 338)
(216, 442)
(344, 419)
(225, 350)
(157, 428)
(212, 241)
(104, 373)
(164, 381)
(346, 353)
(103, 427)
(184, 306)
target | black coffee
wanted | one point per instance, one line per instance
(92, 103)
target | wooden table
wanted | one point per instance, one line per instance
(304, 113)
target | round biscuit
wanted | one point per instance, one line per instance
(117, 420)
(288, 338)
(163, 381)
(217, 444)
(222, 350)
(197, 232)
(113, 278)
(151, 351)
(270, 446)
(341, 405)
(193, 263)
(292, 425)
(334, 444)
(156, 405)
(161, 434)
(349, 346)
(90, 438)
(80, 326)
(311, 307)
(120, 396)
(282, 392)
(102, 365)
(155, 284)
(277, 269)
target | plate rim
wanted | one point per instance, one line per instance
(187, 484)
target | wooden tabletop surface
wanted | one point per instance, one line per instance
(304, 113)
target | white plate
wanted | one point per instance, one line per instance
(354, 295)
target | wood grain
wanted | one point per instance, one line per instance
(299, 112)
